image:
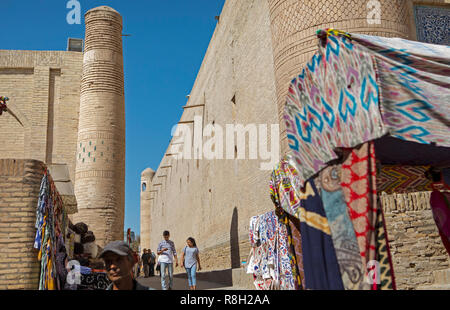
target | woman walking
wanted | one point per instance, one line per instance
(189, 259)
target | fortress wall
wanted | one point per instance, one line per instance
(213, 200)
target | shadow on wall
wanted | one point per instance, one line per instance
(234, 241)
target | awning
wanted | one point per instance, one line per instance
(61, 178)
(359, 88)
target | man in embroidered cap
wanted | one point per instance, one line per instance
(119, 261)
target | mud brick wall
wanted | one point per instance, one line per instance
(19, 191)
(414, 239)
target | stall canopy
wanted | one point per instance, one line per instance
(358, 88)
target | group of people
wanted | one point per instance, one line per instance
(120, 262)
(190, 260)
(147, 261)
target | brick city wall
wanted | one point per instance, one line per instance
(44, 92)
(414, 240)
(19, 183)
(213, 200)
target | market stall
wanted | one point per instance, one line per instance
(364, 112)
(67, 252)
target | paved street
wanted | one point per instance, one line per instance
(180, 282)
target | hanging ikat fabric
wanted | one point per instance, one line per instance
(332, 103)
(414, 84)
(342, 232)
(357, 88)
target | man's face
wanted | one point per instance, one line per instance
(166, 237)
(118, 267)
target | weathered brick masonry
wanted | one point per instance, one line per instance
(19, 192)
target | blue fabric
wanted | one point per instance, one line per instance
(85, 270)
(319, 257)
(344, 240)
(191, 275)
(164, 283)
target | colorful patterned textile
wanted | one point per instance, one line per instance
(342, 232)
(402, 179)
(358, 183)
(50, 227)
(440, 205)
(286, 273)
(285, 193)
(358, 88)
(333, 103)
(296, 239)
(414, 82)
(94, 281)
(319, 256)
(383, 254)
(270, 262)
(284, 218)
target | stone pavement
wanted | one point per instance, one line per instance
(180, 283)
(228, 279)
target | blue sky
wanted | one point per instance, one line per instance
(161, 60)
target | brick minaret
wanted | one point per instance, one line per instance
(100, 167)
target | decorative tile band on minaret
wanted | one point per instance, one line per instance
(100, 166)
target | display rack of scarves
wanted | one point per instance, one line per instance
(270, 262)
(335, 221)
(51, 221)
(318, 255)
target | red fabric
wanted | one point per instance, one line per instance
(359, 186)
(440, 207)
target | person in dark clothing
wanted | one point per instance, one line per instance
(119, 261)
(152, 261)
(145, 263)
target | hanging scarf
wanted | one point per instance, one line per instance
(383, 254)
(342, 232)
(50, 221)
(319, 256)
(296, 239)
(358, 183)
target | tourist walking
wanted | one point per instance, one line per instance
(190, 260)
(158, 265)
(167, 252)
(151, 260)
(119, 261)
(145, 263)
